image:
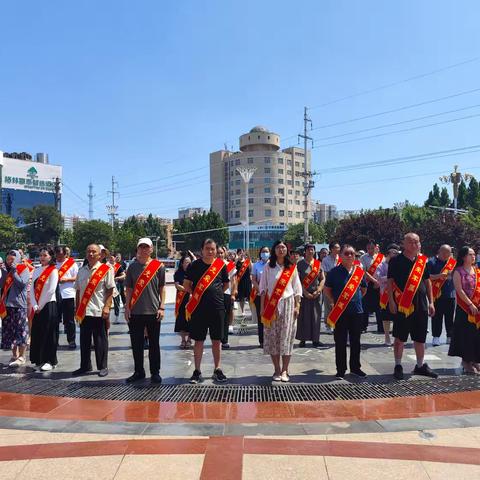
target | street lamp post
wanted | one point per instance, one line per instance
(246, 173)
(455, 178)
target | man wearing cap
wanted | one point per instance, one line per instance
(94, 289)
(145, 308)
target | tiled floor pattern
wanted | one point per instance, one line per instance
(438, 454)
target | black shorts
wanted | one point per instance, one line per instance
(203, 322)
(415, 325)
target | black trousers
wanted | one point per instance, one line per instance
(116, 305)
(259, 320)
(67, 314)
(349, 325)
(444, 307)
(371, 304)
(93, 327)
(121, 291)
(227, 301)
(137, 325)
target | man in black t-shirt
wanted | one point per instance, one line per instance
(209, 314)
(414, 325)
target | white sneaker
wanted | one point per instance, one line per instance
(285, 377)
(18, 362)
(436, 342)
(230, 329)
(46, 367)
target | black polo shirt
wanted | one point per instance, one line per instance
(337, 278)
(399, 269)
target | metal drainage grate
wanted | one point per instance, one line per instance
(236, 393)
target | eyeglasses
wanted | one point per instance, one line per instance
(349, 254)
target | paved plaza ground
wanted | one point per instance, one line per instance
(57, 435)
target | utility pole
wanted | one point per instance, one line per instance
(246, 173)
(57, 194)
(90, 200)
(112, 209)
(455, 178)
(308, 183)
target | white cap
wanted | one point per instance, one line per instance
(145, 241)
(101, 247)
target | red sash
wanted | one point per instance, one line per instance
(376, 262)
(339, 261)
(116, 268)
(28, 264)
(8, 283)
(92, 285)
(346, 296)
(253, 294)
(178, 301)
(66, 265)
(413, 282)
(310, 278)
(357, 263)
(39, 284)
(475, 298)
(384, 299)
(438, 284)
(143, 280)
(230, 266)
(270, 307)
(207, 279)
(245, 265)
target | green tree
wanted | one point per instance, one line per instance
(462, 201)
(413, 216)
(294, 234)
(211, 221)
(473, 195)
(8, 232)
(48, 224)
(433, 197)
(126, 242)
(92, 231)
(330, 227)
(66, 238)
(444, 198)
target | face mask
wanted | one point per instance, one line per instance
(264, 256)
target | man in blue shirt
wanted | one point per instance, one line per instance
(349, 325)
(445, 304)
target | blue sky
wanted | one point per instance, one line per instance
(146, 90)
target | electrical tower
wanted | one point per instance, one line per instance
(113, 208)
(308, 183)
(57, 195)
(90, 200)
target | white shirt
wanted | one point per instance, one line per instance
(48, 291)
(228, 291)
(67, 289)
(269, 280)
(329, 263)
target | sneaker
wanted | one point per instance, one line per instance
(18, 362)
(340, 375)
(317, 345)
(46, 367)
(225, 346)
(398, 372)
(285, 377)
(358, 373)
(218, 376)
(436, 342)
(156, 378)
(425, 371)
(72, 345)
(196, 377)
(230, 329)
(277, 378)
(135, 377)
(81, 371)
(103, 372)
(301, 344)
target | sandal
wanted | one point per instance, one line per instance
(189, 344)
(183, 345)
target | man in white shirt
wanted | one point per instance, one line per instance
(329, 263)
(67, 277)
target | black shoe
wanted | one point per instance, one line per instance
(425, 371)
(156, 378)
(196, 377)
(72, 346)
(135, 377)
(145, 344)
(225, 346)
(301, 344)
(340, 375)
(218, 376)
(81, 371)
(358, 373)
(317, 344)
(398, 372)
(103, 372)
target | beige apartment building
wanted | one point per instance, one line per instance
(276, 189)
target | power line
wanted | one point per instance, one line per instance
(403, 130)
(73, 192)
(399, 82)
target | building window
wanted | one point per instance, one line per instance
(268, 212)
(250, 200)
(251, 180)
(280, 180)
(289, 182)
(237, 182)
(290, 213)
(237, 201)
(281, 213)
(280, 171)
(289, 172)
(251, 190)
(297, 192)
(290, 192)
(297, 164)
(237, 192)
(266, 170)
(267, 200)
(281, 200)
(266, 179)
(281, 191)
(231, 213)
(297, 214)
(290, 202)
(237, 161)
(297, 183)
(297, 202)
(250, 213)
(289, 162)
(280, 161)
(266, 190)
(249, 160)
(237, 213)
(267, 159)
(231, 163)
(231, 183)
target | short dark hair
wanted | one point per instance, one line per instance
(462, 253)
(345, 246)
(371, 242)
(331, 245)
(61, 249)
(207, 241)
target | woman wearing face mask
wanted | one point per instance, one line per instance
(257, 270)
(43, 300)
